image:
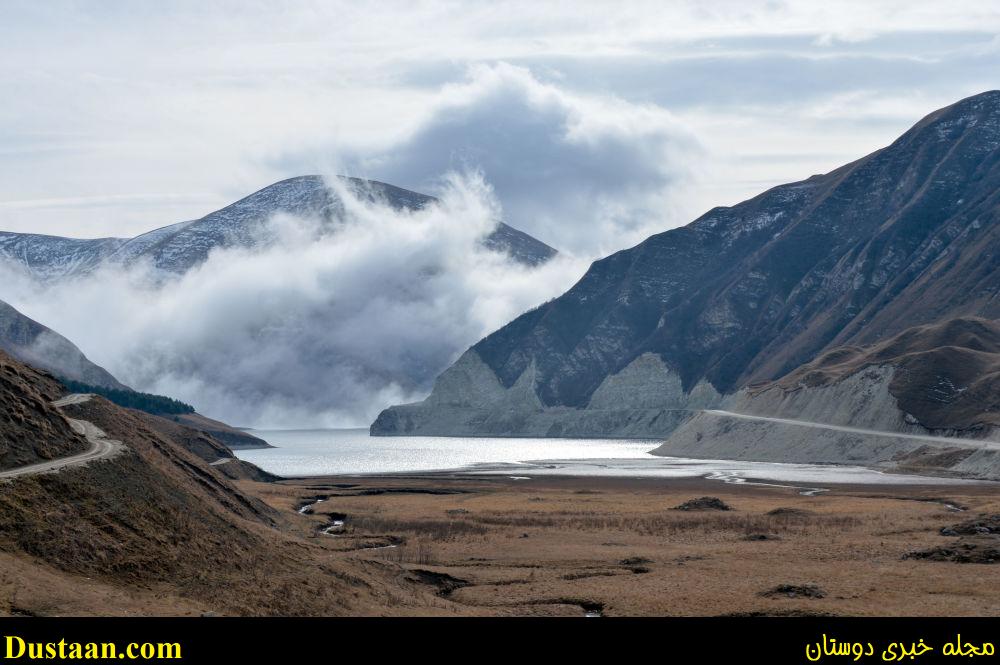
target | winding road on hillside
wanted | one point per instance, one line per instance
(952, 441)
(101, 447)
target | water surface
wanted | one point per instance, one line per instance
(354, 452)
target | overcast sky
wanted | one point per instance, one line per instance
(595, 123)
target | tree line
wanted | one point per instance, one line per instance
(158, 405)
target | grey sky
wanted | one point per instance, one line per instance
(596, 123)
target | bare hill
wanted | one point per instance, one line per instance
(947, 375)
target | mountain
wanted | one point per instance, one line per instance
(179, 247)
(904, 237)
(32, 343)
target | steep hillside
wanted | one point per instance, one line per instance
(33, 343)
(208, 446)
(905, 236)
(154, 525)
(945, 376)
(177, 248)
(234, 438)
(31, 429)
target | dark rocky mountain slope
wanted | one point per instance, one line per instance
(906, 236)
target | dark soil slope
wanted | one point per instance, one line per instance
(233, 438)
(31, 430)
(208, 447)
(947, 374)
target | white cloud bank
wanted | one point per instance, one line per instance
(328, 328)
(320, 328)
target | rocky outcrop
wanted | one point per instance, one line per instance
(644, 400)
(904, 237)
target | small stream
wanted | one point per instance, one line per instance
(335, 523)
(307, 507)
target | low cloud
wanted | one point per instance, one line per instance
(587, 174)
(320, 327)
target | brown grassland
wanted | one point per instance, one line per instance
(566, 546)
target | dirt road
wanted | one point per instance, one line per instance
(951, 441)
(101, 447)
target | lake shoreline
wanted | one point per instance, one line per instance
(306, 453)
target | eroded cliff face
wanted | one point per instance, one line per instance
(646, 399)
(947, 374)
(928, 397)
(862, 400)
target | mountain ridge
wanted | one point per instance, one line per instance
(176, 248)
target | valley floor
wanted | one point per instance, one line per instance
(570, 546)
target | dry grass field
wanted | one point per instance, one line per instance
(570, 546)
